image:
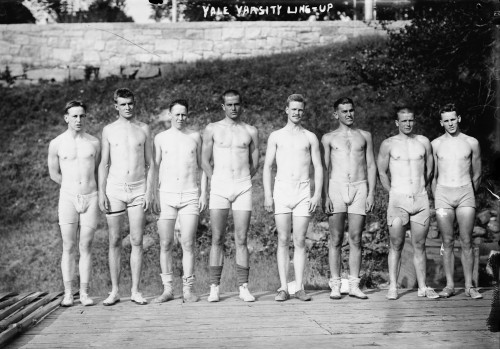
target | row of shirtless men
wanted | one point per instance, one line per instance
(129, 172)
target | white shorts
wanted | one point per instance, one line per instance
(76, 208)
(173, 204)
(231, 193)
(292, 197)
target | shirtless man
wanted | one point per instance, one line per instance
(293, 148)
(456, 178)
(126, 183)
(73, 159)
(348, 188)
(408, 157)
(177, 162)
(233, 146)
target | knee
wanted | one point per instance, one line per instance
(85, 247)
(166, 245)
(188, 246)
(299, 242)
(397, 244)
(217, 240)
(355, 241)
(336, 240)
(448, 242)
(69, 247)
(283, 241)
(466, 244)
(419, 245)
(136, 240)
(240, 238)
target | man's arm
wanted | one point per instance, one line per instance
(53, 162)
(429, 160)
(435, 175)
(318, 173)
(207, 150)
(202, 201)
(266, 175)
(383, 164)
(157, 160)
(327, 201)
(97, 146)
(254, 151)
(104, 171)
(150, 170)
(371, 171)
(476, 163)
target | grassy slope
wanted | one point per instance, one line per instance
(31, 116)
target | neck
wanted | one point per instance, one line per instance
(403, 135)
(74, 133)
(453, 135)
(344, 128)
(230, 121)
(293, 127)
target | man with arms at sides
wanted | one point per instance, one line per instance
(456, 178)
(408, 157)
(294, 149)
(73, 160)
(126, 184)
(232, 146)
(178, 163)
(348, 187)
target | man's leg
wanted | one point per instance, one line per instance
(336, 223)
(115, 250)
(300, 225)
(241, 225)
(445, 218)
(137, 220)
(465, 219)
(356, 225)
(418, 237)
(166, 229)
(284, 228)
(85, 264)
(189, 225)
(397, 242)
(68, 261)
(218, 220)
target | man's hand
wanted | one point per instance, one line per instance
(148, 201)
(315, 202)
(202, 202)
(103, 203)
(370, 200)
(328, 206)
(156, 204)
(268, 204)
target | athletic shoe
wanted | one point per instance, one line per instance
(85, 300)
(473, 293)
(282, 296)
(335, 284)
(354, 290)
(164, 297)
(67, 300)
(245, 294)
(214, 293)
(427, 292)
(188, 296)
(112, 299)
(447, 292)
(302, 295)
(392, 294)
(137, 298)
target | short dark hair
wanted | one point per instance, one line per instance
(123, 93)
(230, 92)
(74, 103)
(403, 107)
(343, 100)
(179, 101)
(449, 107)
(295, 97)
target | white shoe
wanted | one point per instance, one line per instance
(67, 300)
(214, 293)
(137, 298)
(85, 300)
(112, 299)
(245, 294)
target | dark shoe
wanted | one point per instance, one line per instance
(282, 296)
(302, 295)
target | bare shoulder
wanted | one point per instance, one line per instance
(54, 144)
(160, 136)
(251, 129)
(311, 136)
(471, 140)
(436, 142)
(143, 126)
(366, 135)
(327, 137)
(422, 139)
(91, 138)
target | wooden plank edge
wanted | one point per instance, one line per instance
(5, 316)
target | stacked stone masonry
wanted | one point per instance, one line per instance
(63, 51)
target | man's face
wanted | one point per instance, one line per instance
(295, 111)
(232, 107)
(178, 116)
(125, 106)
(75, 117)
(450, 121)
(345, 114)
(405, 122)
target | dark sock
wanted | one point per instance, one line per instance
(215, 275)
(242, 274)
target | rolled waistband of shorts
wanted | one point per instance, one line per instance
(69, 192)
(364, 181)
(291, 181)
(465, 186)
(232, 180)
(138, 183)
(185, 192)
(409, 196)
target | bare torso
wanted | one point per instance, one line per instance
(179, 162)
(231, 150)
(407, 158)
(77, 162)
(127, 142)
(347, 155)
(293, 154)
(454, 159)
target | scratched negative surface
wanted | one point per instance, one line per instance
(322, 323)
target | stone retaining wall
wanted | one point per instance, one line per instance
(63, 51)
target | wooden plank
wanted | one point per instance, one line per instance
(23, 299)
(6, 294)
(8, 302)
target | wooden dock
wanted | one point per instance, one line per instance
(409, 322)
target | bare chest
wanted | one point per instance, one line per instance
(232, 137)
(454, 149)
(74, 150)
(348, 143)
(408, 151)
(128, 137)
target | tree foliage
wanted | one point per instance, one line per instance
(98, 11)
